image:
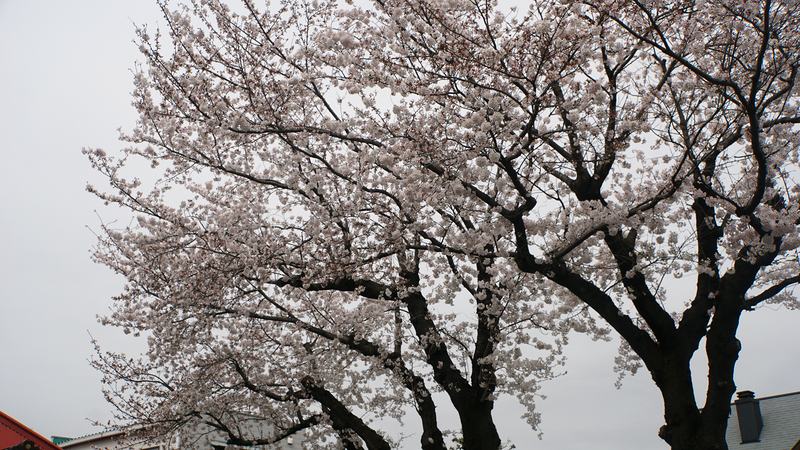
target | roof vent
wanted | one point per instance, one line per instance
(749, 414)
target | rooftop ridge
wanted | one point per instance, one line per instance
(14, 427)
(775, 396)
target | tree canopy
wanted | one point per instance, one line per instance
(355, 208)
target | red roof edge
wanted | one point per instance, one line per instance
(25, 433)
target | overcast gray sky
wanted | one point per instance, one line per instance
(64, 84)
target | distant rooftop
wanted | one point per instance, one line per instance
(780, 418)
(66, 442)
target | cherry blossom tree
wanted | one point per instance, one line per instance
(727, 108)
(357, 209)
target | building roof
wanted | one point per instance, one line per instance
(13, 433)
(110, 433)
(780, 416)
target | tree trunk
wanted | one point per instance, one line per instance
(682, 418)
(722, 350)
(687, 427)
(477, 424)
